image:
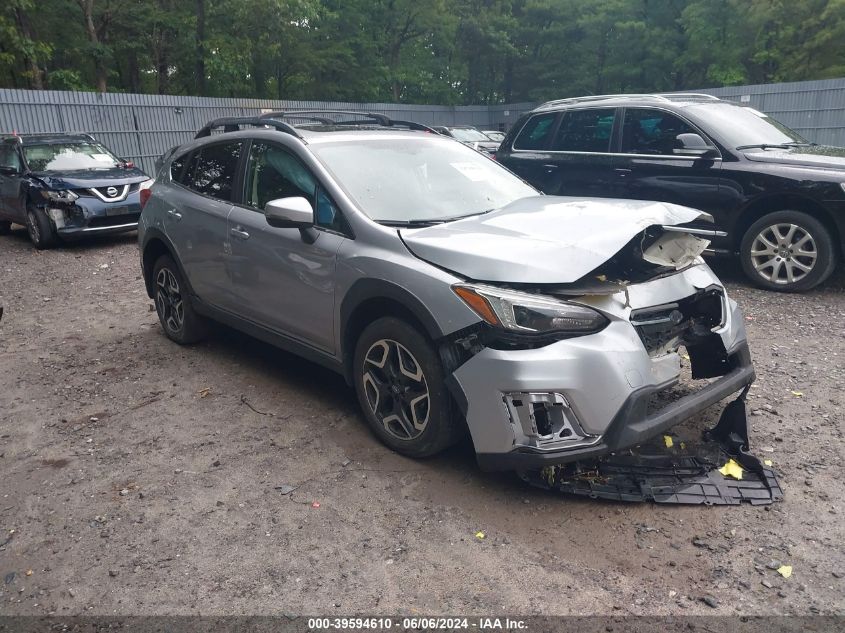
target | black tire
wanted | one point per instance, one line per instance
(777, 259)
(177, 316)
(40, 229)
(5, 227)
(391, 395)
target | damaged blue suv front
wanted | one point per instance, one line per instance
(63, 187)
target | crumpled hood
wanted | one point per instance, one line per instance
(85, 178)
(542, 239)
(820, 156)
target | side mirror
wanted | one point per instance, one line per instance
(9, 171)
(289, 213)
(690, 144)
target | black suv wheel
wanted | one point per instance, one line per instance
(788, 251)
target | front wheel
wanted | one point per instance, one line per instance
(178, 318)
(40, 229)
(400, 386)
(788, 251)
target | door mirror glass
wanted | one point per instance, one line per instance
(289, 213)
(9, 171)
(690, 144)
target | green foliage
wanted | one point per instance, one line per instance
(423, 51)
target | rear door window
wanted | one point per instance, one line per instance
(214, 170)
(535, 134)
(647, 131)
(585, 131)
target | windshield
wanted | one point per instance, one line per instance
(740, 126)
(467, 134)
(420, 179)
(69, 156)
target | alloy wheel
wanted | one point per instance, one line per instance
(784, 253)
(32, 227)
(169, 303)
(396, 389)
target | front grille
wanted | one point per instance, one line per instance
(664, 328)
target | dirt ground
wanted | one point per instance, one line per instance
(138, 477)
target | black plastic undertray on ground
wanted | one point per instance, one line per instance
(670, 469)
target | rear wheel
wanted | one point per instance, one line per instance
(178, 318)
(41, 231)
(400, 386)
(789, 251)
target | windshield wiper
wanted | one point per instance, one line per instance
(419, 223)
(776, 145)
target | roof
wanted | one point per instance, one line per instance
(674, 98)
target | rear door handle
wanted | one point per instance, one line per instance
(622, 172)
(239, 233)
(551, 168)
(173, 213)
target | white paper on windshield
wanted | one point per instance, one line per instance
(474, 172)
(102, 158)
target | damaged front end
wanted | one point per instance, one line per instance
(715, 470)
(557, 374)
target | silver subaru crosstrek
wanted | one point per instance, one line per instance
(447, 291)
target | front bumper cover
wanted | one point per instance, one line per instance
(91, 216)
(632, 425)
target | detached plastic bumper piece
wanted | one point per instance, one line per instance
(715, 471)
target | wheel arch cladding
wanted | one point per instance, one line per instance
(157, 244)
(371, 299)
(785, 202)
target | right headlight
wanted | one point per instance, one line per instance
(526, 313)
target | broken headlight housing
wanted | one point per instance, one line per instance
(63, 195)
(529, 314)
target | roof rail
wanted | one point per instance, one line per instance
(599, 98)
(373, 117)
(233, 124)
(663, 96)
(274, 119)
(688, 96)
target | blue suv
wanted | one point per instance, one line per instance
(66, 186)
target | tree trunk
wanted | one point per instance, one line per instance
(100, 68)
(36, 78)
(200, 48)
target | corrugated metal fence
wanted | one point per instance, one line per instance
(815, 109)
(142, 127)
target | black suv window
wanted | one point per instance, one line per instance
(9, 157)
(585, 131)
(647, 131)
(536, 132)
(273, 173)
(214, 170)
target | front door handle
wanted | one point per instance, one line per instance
(173, 213)
(239, 233)
(621, 172)
(550, 168)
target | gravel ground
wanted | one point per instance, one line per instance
(138, 477)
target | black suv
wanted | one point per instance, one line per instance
(63, 186)
(778, 199)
